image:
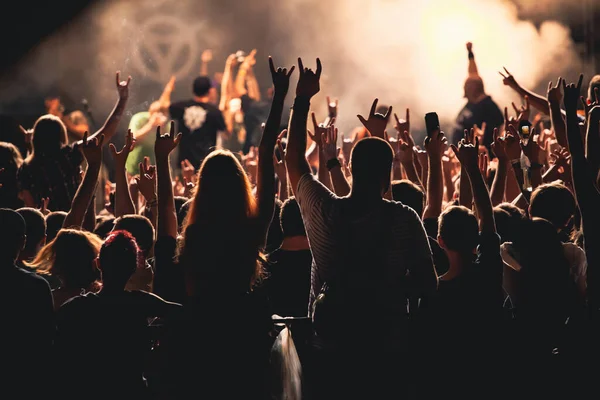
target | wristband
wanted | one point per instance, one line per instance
(471, 55)
(331, 164)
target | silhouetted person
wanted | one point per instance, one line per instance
(26, 313)
(109, 328)
(36, 235)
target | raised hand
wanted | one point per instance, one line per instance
(588, 104)
(123, 86)
(329, 142)
(512, 146)
(469, 46)
(146, 181)
(27, 134)
(206, 56)
(319, 129)
(572, 93)
(436, 145)
(121, 156)
(308, 82)
(402, 125)
(332, 108)
(279, 164)
(484, 165)
(522, 112)
(467, 154)
(554, 94)
(510, 121)
(281, 78)
(406, 144)
(166, 143)
(376, 123)
(532, 150)
(188, 171)
(499, 146)
(508, 79)
(92, 148)
(480, 132)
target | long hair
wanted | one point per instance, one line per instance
(219, 246)
(70, 257)
(49, 135)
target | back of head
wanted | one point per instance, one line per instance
(291, 219)
(104, 226)
(49, 134)
(35, 226)
(119, 257)
(202, 86)
(71, 257)
(371, 164)
(10, 158)
(54, 223)
(474, 87)
(140, 228)
(458, 230)
(594, 84)
(179, 202)
(409, 194)
(508, 219)
(12, 233)
(183, 213)
(553, 202)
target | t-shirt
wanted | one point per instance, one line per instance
(144, 147)
(379, 244)
(477, 113)
(55, 176)
(289, 281)
(199, 124)
(110, 331)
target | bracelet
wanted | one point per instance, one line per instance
(331, 164)
(471, 55)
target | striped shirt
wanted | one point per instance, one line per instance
(389, 233)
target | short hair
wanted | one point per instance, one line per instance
(371, 161)
(12, 232)
(594, 83)
(35, 226)
(54, 223)
(104, 226)
(290, 219)
(140, 228)
(553, 202)
(409, 194)
(119, 256)
(459, 229)
(202, 85)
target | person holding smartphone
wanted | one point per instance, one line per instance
(480, 107)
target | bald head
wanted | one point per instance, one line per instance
(473, 88)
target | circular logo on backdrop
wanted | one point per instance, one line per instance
(167, 47)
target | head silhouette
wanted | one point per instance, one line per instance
(119, 257)
(553, 202)
(12, 234)
(35, 229)
(458, 230)
(54, 223)
(140, 228)
(409, 194)
(49, 135)
(371, 165)
(291, 219)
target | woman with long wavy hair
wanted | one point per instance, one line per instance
(216, 268)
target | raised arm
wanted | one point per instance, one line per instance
(465, 196)
(92, 150)
(123, 203)
(205, 58)
(499, 183)
(240, 80)
(435, 146)
(472, 63)
(167, 216)
(226, 84)
(537, 101)
(164, 100)
(295, 156)
(319, 131)
(556, 116)
(112, 122)
(331, 154)
(265, 180)
(468, 156)
(146, 183)
(592, 141)
(281, 169)
(376, 122)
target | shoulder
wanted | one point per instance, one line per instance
(32, 279)
(573, 252)
(400, 210)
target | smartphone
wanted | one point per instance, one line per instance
(525, 131)
(432, 123)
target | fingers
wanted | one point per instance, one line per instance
(502, 75)
(281, 150)
(282, 134)
(580, 82)
(506, 115)
(388, 114)
(495, 134)
(291, 70)
(508, 73)
(324, 138)
(172, 129)
(177, 138)
(328, 100)
(128, 80)
(515, 107)
(373, 108)
(319, 68)
(314, 121)
(158, 131)
(385, 136)
(113, 149)
(362, 119)
(100, 140)
(397, 120)
(118, 77)
(550, 86)
(85, 137)
(300, 65)
(454, 150)
(310, 135)
(271, 65)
